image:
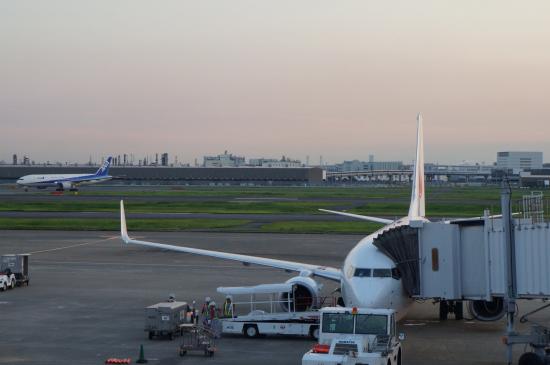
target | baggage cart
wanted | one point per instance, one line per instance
(166, 319)
(197, 338)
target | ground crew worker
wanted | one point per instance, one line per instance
(204, 310)
(194, 316)
(212, 312)
(228, 307)
(213, 323)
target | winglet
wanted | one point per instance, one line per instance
(123, 229)
(418, 205)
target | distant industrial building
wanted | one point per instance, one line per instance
(371, 165)
(284, 162)
(258, 162)
(519, 161)
(164, 159)
(539, 178)
(223, 160)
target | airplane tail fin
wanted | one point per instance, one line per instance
(104, 169)
(123, 229)
(418, 205)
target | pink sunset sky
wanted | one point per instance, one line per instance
(342, 79)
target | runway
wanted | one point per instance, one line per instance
(88, 292)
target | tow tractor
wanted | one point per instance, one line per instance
(353, 336)
(7, 280)
(17, 265)
(271, 311)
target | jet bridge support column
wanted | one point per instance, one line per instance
(511, 287)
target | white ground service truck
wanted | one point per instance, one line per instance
(7, 280)
(352, 336)
(271, 311)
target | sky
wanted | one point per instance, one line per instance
(269, 78)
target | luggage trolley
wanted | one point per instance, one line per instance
(197, 338)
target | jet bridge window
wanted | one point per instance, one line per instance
(362, 273)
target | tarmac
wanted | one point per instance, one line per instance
(88, 291)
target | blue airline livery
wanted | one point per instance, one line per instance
(66, 181)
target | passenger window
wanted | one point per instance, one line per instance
(362, 273)
(381, 273)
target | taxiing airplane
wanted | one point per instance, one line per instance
(368, 278)
(66, 181)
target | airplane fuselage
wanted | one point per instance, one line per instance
(370, 278)
(54, 180)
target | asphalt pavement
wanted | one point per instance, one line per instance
(88, 291)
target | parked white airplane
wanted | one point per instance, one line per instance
(66, 181)
(368, 277)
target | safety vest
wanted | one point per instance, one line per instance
(227, 309)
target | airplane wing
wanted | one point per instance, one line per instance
(475, 219)
(322, 271)
(358, 216)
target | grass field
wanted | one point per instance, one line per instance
(234, 225)
(98, 224)
(381, 201)
(166, 206)
(321, 227)
(455, 193)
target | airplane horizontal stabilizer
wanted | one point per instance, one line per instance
(358, 216)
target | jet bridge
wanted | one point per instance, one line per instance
(489, 261)
(466, 260)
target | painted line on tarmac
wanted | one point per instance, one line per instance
(72, 246)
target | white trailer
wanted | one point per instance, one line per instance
(267, 313)
(351, 336)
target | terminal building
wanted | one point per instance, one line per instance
(517, 161)
(246, 176)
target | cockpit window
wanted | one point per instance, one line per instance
(377, 273)
(381, 273)
(362, 273)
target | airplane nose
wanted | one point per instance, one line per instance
(375, 294)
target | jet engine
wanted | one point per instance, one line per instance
(487, 310)
(304, 296)
(65, 185)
